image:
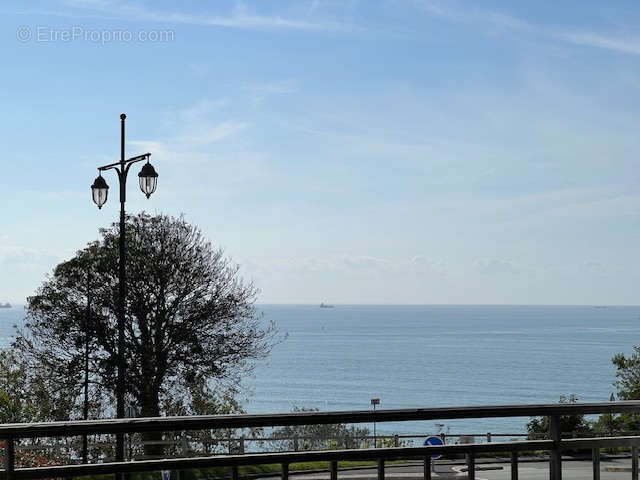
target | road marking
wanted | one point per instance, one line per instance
(374, 476)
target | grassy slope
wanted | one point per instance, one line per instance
(244, 471)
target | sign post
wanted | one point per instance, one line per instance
(374, 402)
(435, 441)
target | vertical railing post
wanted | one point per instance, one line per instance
(285, 471)
(334, 470)
(555, 455)
(85, 448)
(9, 458)
(295, 444)
(185, 445)
(427, 468)
(57, 446)
(471, 466)
(634, 463)
(234, 473)
(488, 437)
(514, 465)
(396, 440)
(380, 469)
(595, 460)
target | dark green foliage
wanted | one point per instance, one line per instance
(318, 437)
(628, 385)
(205, 400)
(611, 424)
(13, 389)
(190, 321)
(27, 395)
(628, 374)
(538, 427)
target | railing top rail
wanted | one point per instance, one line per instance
(270, 458)
(111, 426)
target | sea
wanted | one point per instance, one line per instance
(340, 358)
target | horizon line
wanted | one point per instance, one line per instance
(348, 304)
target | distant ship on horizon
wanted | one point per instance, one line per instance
(5, 305)
(325, 305)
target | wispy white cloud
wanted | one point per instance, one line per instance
(213, 133)
(447, 11)
(559, 204)
(620, 44)
(201, 109)
(216, 146)
(596, 267)
(496, 266)
(14, 251)
(156, 147)
(258, 92)
(198, 129)
(273, 87)
(239, 17)
(495, 19)
(28, 258)
(345, 264)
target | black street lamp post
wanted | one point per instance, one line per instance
(148, 179)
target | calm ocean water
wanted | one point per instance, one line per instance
(420, 356)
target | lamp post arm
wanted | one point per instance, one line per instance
(122, 169)
(127, 162)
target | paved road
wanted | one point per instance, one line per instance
(571, 470)
(616, 469)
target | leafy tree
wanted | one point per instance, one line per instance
(189, 318)
(628, 374)
(13, 382)
(628, 386)
(29, 395)
(26, 396)
(538, 427)
(57, 350)
(317, 437)
(204, 400)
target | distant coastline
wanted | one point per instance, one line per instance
(5, 305)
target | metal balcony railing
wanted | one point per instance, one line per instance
(555, 445)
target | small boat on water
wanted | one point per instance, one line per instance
(5, 305)
(325, 305)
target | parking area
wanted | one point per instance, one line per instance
(611, 469)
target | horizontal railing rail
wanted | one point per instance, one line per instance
(278, 458)
(203, 422)
(555, 444)
(316, 456)
(182, 444)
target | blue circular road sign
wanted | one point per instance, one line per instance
(433, 440)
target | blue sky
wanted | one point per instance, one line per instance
(412, 151)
